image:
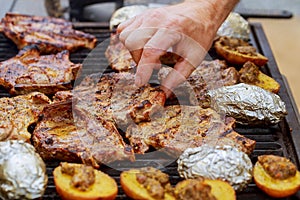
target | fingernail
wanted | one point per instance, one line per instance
(138, 81)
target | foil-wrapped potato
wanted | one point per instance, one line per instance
(124, 13)
(248, 104)
(22, 171)
(216, 162)
(235, 26)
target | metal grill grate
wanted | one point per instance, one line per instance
(278, 140)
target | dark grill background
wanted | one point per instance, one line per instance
(282, 139)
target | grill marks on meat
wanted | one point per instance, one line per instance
(181, 127)
(209, 75)
(115, 97)
(50, 34)
(29, 71)
(83, 138)
(119, 56)
(85, 131)
(17, 114)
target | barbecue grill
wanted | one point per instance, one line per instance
(282, 139)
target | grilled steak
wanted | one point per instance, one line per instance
(18, 113)
(181, 127)
(83, 138)
(50, 34)
(118, 56)
(115, 98)
(86, 130)
(120, 59)
(209, 75)
(29, 71)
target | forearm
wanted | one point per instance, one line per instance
(219, 8)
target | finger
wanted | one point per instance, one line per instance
(178, 75)
(162, 40)
(143, 74)
(190, 50)
(125, 24)
(126, 31)
(138, 38)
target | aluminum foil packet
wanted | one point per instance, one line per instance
(235, 26)
(248, 104)
(124, 13)
(22, 171)
(217, 162)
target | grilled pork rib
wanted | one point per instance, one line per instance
(181, 127)
(80, 126)
(29, 71)
(120, 59)
(18, 113)
(209, 75)
(50, 34)
(115, 97)
(84, 138)
(118, 56)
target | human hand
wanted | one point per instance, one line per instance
(187, 28)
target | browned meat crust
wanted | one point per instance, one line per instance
(50, 34)
(29, 71)
(99, 105)
(115, 98)
(181, 127)
(18, 113)
(118, 56)
(209, 75)
(83, 138)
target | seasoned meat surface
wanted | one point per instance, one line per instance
(155, 181)
(118, 55)
(50, 34)
(18, 113)
(196, 189)
(69, 134)
(209, 75)
(29, 71)
(277, 167)
(180, 127)
(115, 98)
(82, 176)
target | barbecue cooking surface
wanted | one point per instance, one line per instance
(278, 140)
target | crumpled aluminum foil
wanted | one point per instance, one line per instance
(22, 171)
(248, 104)
(235, 26)
(124, 13)
(216, 162)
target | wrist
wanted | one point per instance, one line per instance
(219, 9)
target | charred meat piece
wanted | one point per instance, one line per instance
(115, 98)
(182, 127)
(209, 75)
(72, 135)
(29, 71)
(120, 59)
(50, 34)
(18, 113)
(118, 55)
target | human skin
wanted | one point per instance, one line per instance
(188, 28)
